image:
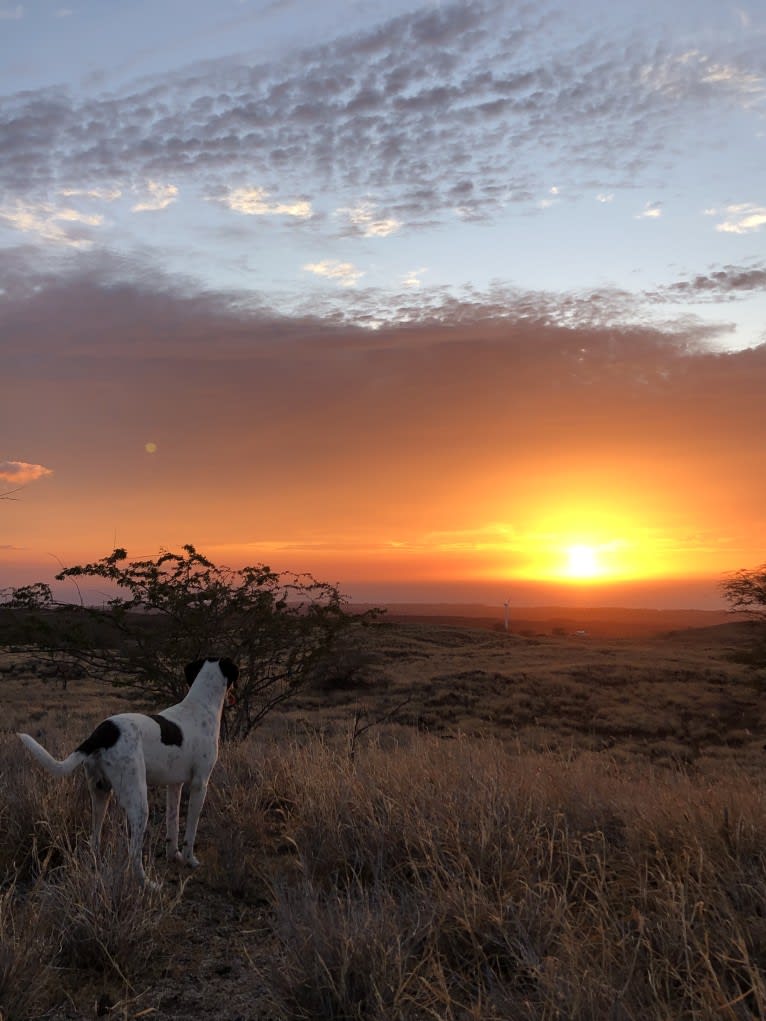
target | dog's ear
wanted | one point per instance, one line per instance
(192, 669)
(230, 670)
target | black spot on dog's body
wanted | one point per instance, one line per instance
(104, 736)
(170, 733)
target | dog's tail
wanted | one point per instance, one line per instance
(59, 767)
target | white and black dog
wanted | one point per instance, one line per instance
(130, 751)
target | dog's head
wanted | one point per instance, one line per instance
(228, 668)
(230, 671)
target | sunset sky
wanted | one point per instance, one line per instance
(446, 301)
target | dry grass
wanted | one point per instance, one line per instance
(73, 932)
(460, 881)
(676, 699)
(450, 869)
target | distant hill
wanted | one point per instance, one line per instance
(600, 621)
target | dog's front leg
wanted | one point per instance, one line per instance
(197, 792)
(172, 809)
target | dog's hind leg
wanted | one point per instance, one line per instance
(130, 790)
(172, 809)
(197, 792)
(100, 793)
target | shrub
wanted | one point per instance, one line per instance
(281, 629)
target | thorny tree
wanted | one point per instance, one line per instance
(281, 629)
(745, 591)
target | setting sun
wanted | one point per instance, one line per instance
(582, 563)
(331, 350)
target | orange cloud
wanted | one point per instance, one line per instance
(479, 442)
(20, 472)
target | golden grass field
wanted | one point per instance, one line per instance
(473, 825)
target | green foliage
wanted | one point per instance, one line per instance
(281, 629)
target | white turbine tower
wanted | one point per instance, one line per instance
(506, 604)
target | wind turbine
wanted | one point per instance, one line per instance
(506, 604)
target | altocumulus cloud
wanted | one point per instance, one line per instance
(651, 211)
(726, 282)
(442, 109)
(344, 273)
(742, 218)
(256, 202)
(364, 219)
(58, 224)
(157, 196)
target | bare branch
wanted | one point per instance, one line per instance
(357, 730)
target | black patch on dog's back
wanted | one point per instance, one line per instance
(105, 735)
(170, 733)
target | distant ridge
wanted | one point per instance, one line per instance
(611, 621)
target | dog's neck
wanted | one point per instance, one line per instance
(208, 689)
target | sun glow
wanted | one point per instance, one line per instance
(582, 563)
(575, 561)
(580, 541)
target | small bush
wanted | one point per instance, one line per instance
(103, 921)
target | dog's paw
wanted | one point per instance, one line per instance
(145, 883)
(190, 861)
(174, 856)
